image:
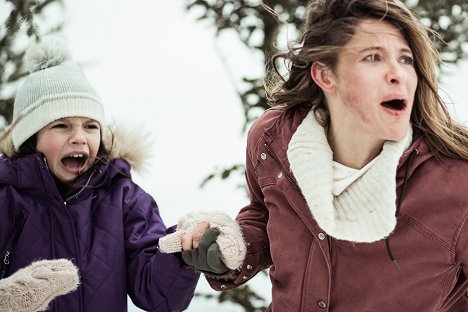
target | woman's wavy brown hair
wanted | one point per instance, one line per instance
(330, 25)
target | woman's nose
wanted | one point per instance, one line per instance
(395, 74)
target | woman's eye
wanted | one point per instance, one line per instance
(407, 60)
(372, 58)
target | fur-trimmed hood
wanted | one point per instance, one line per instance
(125, 142)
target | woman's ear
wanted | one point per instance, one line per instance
(323, 77)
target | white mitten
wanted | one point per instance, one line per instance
(32, 288)
(230, 240)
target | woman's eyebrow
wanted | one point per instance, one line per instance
(378, 48)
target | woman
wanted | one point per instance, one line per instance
(357, 175)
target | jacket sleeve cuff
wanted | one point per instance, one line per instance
(171, 243)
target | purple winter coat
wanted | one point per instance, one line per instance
(109, 228)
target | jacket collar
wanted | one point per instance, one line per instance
(424, 153)
(279, 125)
(365, 211)
(31, 174)
(19, 172)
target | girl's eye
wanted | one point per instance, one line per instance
(407, 60)
(59, 126)
(92, 126)
(372, 58)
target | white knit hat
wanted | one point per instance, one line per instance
(56, 88)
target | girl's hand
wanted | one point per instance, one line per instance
(33, 287)
(191, 240)
(205, 255)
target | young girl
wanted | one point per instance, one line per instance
(358, 176)
(66, 195)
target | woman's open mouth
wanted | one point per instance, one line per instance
(395, 105)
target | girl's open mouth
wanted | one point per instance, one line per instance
(75, 162)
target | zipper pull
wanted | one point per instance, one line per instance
(6, 259)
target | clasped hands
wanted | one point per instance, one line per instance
(201, 251)
(210, 242)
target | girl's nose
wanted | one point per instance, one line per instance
(78, 137)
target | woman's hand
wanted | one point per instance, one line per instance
(204, 254)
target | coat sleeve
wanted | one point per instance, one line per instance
(462, 252)
(253, 221)
(156, 281)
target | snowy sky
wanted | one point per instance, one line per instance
(158, 69)
(155, 67)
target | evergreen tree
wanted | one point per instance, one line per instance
(20, 24)
(254, 19)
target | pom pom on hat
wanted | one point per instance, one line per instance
(50, 52)
(56, 88)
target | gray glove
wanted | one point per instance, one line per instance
(206, 256)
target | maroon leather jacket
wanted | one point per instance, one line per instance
(310, 271)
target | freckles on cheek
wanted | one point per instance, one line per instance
(354, 102)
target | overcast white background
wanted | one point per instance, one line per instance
(157, 68)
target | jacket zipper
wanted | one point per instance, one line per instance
(65, 204)
(6, 257)
(78, 260)
(81, 189)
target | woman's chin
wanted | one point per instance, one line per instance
(398, 136)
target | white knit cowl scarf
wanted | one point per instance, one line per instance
(365, 210)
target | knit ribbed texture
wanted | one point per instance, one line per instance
(230, 240)
(56, 90)
(363, 212)
(34, 287)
